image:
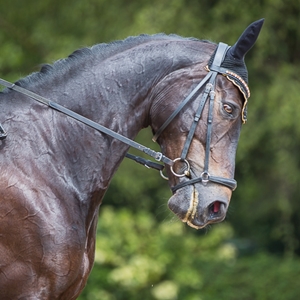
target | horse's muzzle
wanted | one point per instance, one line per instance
(198, 210)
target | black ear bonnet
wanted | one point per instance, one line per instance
(233, 65)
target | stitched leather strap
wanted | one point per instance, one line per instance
(156, 155)
(219, 57)
(230, 183)
(197, 117)
(209, 91)
(180, 107)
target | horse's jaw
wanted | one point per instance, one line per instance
(199, 205)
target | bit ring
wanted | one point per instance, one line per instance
(186, 172)
(163, 175)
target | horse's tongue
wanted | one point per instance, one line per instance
(216, 206)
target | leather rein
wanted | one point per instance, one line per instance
(209, 93)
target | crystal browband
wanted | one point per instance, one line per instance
(241, 84)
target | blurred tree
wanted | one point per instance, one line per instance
(139, 258)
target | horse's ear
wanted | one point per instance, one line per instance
(246, 40)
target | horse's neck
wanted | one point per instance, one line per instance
(114, 93)
(103, 102)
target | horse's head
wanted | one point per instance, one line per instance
(201, 132)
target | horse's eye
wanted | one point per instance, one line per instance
(228, 108)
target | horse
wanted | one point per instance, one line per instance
(55, 168)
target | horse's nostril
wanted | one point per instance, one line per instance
(216, 209)
(216, 206)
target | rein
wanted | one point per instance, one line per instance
(156, 155)
(209, 93)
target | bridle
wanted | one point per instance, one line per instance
(209, 93)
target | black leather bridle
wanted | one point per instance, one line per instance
(209, 93)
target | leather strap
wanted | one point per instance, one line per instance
(209, 123)
(209, 91)
(180, 107)
(197, 118)
(219, 57)
(230, 183)
(205, 176)
(145, 162)
(23, 91)
(156, 155)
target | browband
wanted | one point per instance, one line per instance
(237, 80)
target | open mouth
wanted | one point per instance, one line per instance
(198, 209)
(215, 212)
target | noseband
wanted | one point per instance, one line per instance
(209, 93)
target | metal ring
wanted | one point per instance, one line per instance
(186, 172)
(205, 177)
(162, 175)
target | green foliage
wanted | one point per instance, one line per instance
(143, 259)
(139, 258)
(268, 160)
(260, 277)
